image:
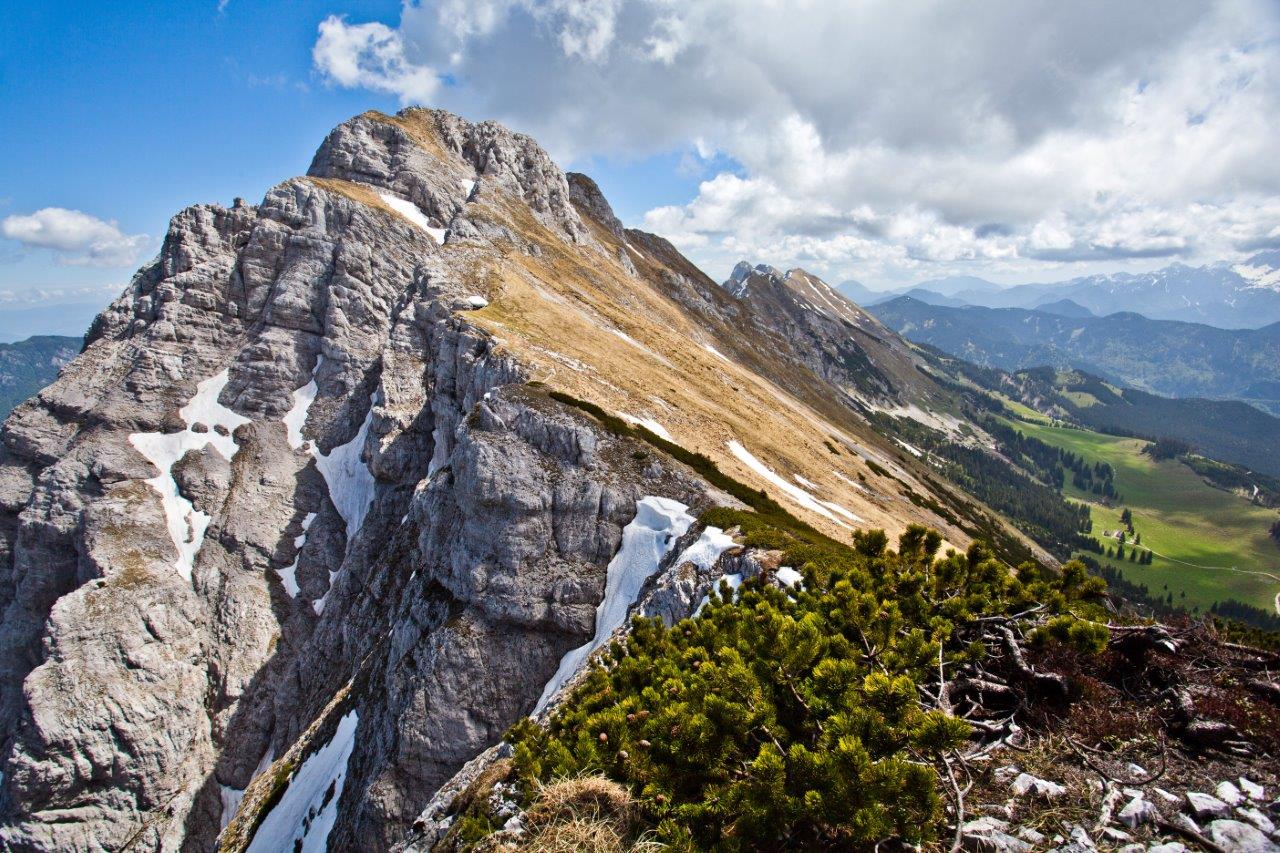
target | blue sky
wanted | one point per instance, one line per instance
(1030, 142)
(129, 112)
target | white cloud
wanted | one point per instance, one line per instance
(43, 296)
(370, 56)
(78, 238)
(877, 138)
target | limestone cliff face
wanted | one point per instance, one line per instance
(301, 475)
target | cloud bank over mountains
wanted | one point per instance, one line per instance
(878, 139)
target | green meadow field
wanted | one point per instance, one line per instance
(1209, 544)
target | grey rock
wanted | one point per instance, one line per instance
(1240, 837)
(989, 835)
(1182, 820)
(1206, 806)
(1256, 817)
(1252, 790)
(1229, 793)
(131, 694)
(1027, 785)
(1137, 812)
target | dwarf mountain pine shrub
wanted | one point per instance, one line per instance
(793, 719)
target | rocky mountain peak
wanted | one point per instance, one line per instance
(341, 477)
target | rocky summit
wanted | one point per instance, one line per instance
(349, 482)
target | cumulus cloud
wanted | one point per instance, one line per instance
(878, 138)
(78, 238)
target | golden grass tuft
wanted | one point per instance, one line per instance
(584, 798)
(576, 836)
(420, 126)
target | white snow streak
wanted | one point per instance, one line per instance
(186, 524)
(842, 478)
(650, 424)
(709, 348)
(912, 449)
(350, 482)
(852, 516)
(796, 493)
(296, 418)
(289, 575)
(659, 522)
(734, 582)
(305, 815)
(788, 576)
(808, 484)
(231, 798)
(414, 214)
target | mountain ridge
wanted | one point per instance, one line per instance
(1168, 357)
(1226, 295)
(380, 404)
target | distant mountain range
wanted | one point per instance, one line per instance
(1230, 296)
(28, 366)
(1166, 357)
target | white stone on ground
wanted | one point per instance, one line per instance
(1206, 805)
(1137, 812)
(1229, 793)
(1037, 787)
(1239, 837)
(1252, 790)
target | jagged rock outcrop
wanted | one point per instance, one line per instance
(305, 494)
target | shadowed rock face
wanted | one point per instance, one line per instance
(399, 525)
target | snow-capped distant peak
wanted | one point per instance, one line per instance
(1258, 276)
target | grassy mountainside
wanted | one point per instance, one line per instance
(28, 366)
(1208, 544)
(1162, 356)
(1222, 429)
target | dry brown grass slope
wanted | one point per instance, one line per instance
(656, 339)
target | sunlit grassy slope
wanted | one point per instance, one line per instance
(1209, 544)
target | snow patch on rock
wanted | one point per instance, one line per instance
(349, 479)
(305, 815)
(186, 524)
(231, 798)
(414, 214)
(296, 418)
(289, 575)
(658, 523)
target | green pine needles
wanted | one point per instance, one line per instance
(801, 718)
